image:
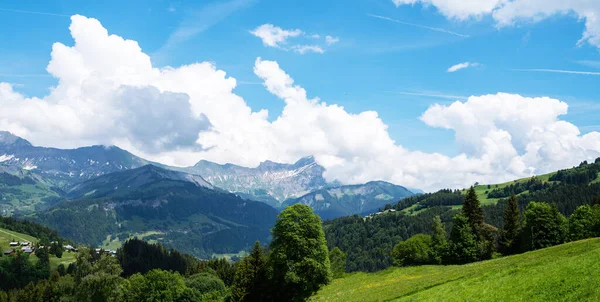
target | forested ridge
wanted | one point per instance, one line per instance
(368, 242)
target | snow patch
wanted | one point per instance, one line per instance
(29, 167)
(5, 157)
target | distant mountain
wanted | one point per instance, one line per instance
(152, 203)
(270, 182)
(64, 167)
(130, 180)
(352, 199)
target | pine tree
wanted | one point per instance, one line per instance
(512, 227)
(439, 241)
(472, 211)
(250, 276)
(463, 242)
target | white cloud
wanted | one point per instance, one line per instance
(507, 13)
(457, 9)
(302, 49)
(109, 93)
(274, 36)
(331, 40)
(460, 66)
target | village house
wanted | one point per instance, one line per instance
(14, 244)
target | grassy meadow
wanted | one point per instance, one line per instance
(6, 236)
(568, 272)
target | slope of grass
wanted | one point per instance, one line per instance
(481, 189)
(568, 272)
(6, 236)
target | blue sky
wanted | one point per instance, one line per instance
(398, 69)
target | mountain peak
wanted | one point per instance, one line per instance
(7, 138)
(269, 164)
(307, 160)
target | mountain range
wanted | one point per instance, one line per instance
(59, 171)
(103, 195)
(270, 182)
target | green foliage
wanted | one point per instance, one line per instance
(544, 226)
(472, 211)
(138, 256)
(439, 243)
(16, 271)
(207, 284)
(299, 258)
(583, 174)
(97, 277)
(464, 247)
(156, 285)
(338, 262)
(368, 242)
(532, 185)
(56, 248)
(510, 234)
(250, 283)
(417, 250)
(584, 222)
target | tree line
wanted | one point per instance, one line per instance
(471, 239)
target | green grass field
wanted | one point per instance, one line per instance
(6, 236)
(569, 272)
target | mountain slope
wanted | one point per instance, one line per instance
(130, 179)
(352, 199)
(22, 191)
(270, 182)
(566, 272)
(189, 217)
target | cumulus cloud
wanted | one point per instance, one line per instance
(507, 13)
(460, 66)
(274, 36)
(108, 92)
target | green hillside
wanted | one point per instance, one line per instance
(483, 189)
(567, 272)
(6, 236)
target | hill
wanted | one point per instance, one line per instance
(154, 204)
(566, 272)
(368, 242)
(353, 199)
